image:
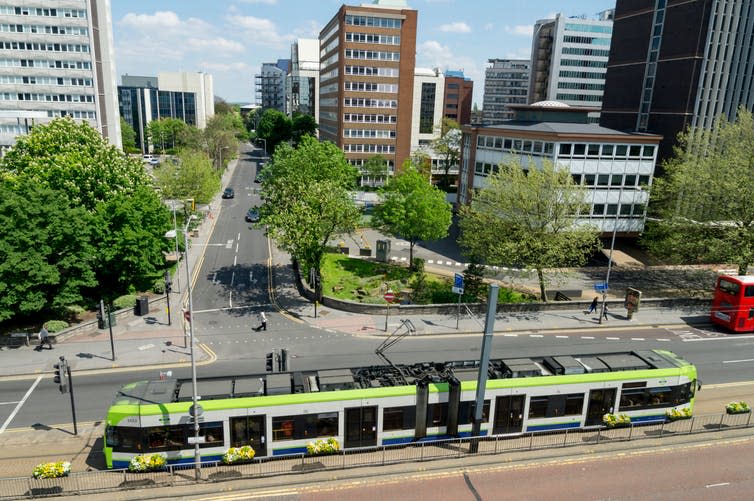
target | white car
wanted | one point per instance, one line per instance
(148, 158)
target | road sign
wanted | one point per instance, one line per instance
(389, 296)
(458, 284)
(600, 286)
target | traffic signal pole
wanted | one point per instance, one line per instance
(73, 405)
(65, 384)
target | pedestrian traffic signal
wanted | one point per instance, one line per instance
(61, 375)
(283, 360)
(270, 358)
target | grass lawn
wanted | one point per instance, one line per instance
(361, 280)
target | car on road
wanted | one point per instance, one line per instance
(252, 215)
(229, 193)
(154, 162)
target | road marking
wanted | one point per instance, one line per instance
(235, 259)
(738, 361)
(638, 339)
(9, 403)
(663, 339)
(716, 338)
(536, 335)
(145, 347)
(20, 404)
(721, 484)
(232, 277)
(587, 337)
(230, 299)
(613, 338)
(561, 337)
(510, 335)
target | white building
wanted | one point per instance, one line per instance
(427, 111)
(57, 60)
(200, 84)
(302, 83)
(616, 167)
(569, 60)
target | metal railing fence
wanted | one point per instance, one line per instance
(184, 474)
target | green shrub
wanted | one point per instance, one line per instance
(56, 325)
(158, 287)
(123, 302)
(75, 309)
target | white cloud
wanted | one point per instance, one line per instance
(215, 44)
(160, 19)
(225, 67)
(260, 31)
(457, 27)
(520, 29)
(268, 2)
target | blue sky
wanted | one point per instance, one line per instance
(231, 39)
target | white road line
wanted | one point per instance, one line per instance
(638, 339)
(510, 335)
(561, 337)
(613, 338)
(235, 259)
(663, 339)
(232, 277)
(738, 361)
(721, 484)
(20, 404)
(230, 299)
(536, 335)
(239, 236)
(8, 403)
(587, 337)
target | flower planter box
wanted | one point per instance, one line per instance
(730, 411)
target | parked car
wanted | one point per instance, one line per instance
(229, 193)
(252, 216)
(154, 162)
(148, 158)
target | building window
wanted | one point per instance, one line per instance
(427, 108)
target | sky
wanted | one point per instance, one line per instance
(230, 39)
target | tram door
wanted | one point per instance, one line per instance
(361, 427)
(509, 415)
(600, 403)
(249, 430)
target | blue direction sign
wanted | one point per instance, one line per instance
(600, 286)
(458, 284)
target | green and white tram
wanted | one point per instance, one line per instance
(280, 413)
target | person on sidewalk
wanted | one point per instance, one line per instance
(44, 339)
(593, 306)
(262, 322)
(604, 311)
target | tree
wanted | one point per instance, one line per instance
(412, 209)
(75, 159)
(222, 107)
(130, 231)
(192, 176)
(375, 168)
(704, 201)
(302, 125)
(525, 218)
(165, 133)
(307, 201)
(128, 137)
(275, 128)
(448, 145)
(48, 257)
(220, 138)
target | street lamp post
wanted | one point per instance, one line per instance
(195, 410)
(177, 259)
(264, 142)
(612, 247)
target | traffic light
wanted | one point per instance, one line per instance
(61, 375)
(168, 283)
(270, 358)
(283, 360)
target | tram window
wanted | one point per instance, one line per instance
(156, 437)
(399, 418)
(212, 433)
(124, 439)
(659, 396)
(632, 398)
(176, 436)
(538, 407)
(574, 404)
(466, 412)
(321, 425)
(283, 428)
(437, 414)
(682, 393)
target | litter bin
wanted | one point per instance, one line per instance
(142, 306)
(102, 322)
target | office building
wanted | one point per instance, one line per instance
(271, 85)
(367, 59)
(506, 83)
(569, 59)
(459, 92)
(302, 86)
(615, 166)
(57, 60)
(426, 120)
(186, 96)
(675, 64)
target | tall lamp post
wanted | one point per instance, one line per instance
(264, 142)
(612, 246)
(195, 410)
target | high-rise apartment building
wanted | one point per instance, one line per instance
(459, 92)
(678, 63)
(506, 83)
(271, 85)
(569, 59)
(302, 86)
(57, 60)
(367, 59)
(186, 96)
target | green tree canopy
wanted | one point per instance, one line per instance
(275, 128)
(128, 137)
(412, 209)
(48, 256)
(302, 125)
(307, 200)
(75, 159)
(220, 138)
(448, 145)
(375, 168)
(525, 218)
(192, 176)
(704, 201)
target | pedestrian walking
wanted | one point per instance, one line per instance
(262, 322)
(593, 306)
(604, 311)
(44, 339)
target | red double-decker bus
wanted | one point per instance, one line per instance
(733, 302)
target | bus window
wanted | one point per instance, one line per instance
(729, 287)
(749, 291)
